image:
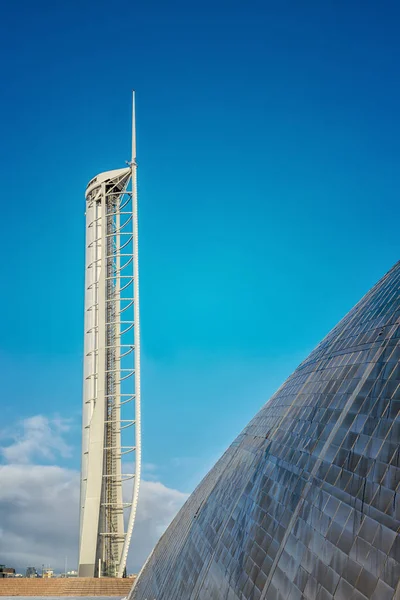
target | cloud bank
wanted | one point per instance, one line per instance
(39, 504)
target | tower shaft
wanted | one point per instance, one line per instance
(110, 431)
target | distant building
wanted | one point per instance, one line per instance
(6, 572)
(72, 574)
(47, 573)
(31, 572)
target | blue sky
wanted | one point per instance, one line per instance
(268, 150)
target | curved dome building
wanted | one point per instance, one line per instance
(305, 503)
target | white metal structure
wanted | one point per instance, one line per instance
(111, 435)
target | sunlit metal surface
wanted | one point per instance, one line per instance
(304, 504)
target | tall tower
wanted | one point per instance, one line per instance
(111, 438)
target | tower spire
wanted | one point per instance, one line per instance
(133, 159)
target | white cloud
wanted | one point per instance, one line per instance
(34, 438)
(157, 507)
(150, 471)
(39, 504)
(39, 515)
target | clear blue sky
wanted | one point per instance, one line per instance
(268, 147)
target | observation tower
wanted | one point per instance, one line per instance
(111, 437)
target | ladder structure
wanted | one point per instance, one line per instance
(111, 435)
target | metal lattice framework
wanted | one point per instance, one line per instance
(111, 437)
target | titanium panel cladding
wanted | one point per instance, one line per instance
(304, 504)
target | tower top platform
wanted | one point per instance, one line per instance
(102, 177)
